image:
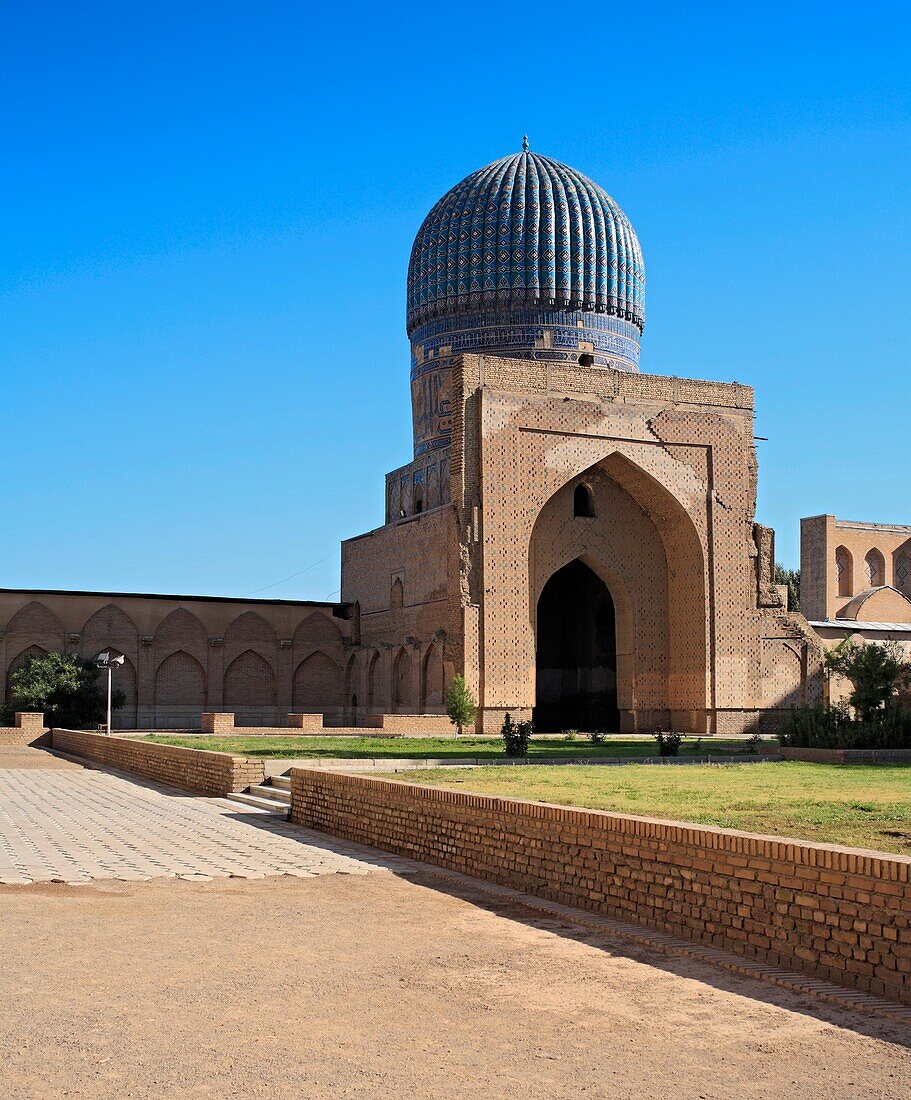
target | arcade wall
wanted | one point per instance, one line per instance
(185, 655)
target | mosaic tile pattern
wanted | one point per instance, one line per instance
(526, 231)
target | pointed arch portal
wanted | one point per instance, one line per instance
(576, 653)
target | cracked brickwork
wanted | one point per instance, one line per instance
(703, 642)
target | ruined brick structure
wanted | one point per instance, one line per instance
(576, 537)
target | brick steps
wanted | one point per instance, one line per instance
(274, 795)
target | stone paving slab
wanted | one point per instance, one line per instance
(73, 824)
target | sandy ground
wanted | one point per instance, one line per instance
(384, 986)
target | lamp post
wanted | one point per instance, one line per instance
(107, 661)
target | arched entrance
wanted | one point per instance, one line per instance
(576, 653)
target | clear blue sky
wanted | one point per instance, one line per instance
(207, 211)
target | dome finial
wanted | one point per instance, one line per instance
(525, 143)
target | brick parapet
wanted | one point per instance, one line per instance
(843, 915)
(209, 773)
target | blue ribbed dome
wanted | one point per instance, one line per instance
(526, 232)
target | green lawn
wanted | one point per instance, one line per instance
(423, 748)
(861, 806)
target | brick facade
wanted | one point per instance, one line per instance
(703, 642)
(839, 914)
(840, 560)
(855, 582)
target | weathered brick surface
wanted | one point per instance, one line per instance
(209, 773)
(843, 915)
(703, 643)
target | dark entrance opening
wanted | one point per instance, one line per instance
(576, 653)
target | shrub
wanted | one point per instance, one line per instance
(598, 737)
(460, 704)
(570, 735)
(754, 744)
(668, 743)
(820, 727)
(516, 736)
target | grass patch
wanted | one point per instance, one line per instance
(861, 806)
(423, 748)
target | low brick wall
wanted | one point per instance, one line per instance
(403, 724)
(840, 914)
(216, 723)
(848, 756)
(209, 773)
(28, 729)
(306, 721)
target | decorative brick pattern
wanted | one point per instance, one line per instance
(703, 642)
(838, 914)
(210, 773)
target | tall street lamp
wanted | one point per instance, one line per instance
(107, 660)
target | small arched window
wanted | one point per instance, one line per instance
(586, 359)
(418, 505)
(875, 568)
(583, 503)
(844, 571)
(903, 575)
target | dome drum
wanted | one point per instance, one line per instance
(525, 258)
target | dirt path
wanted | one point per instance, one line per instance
(380, 986)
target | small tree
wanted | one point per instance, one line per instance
(65, 687)
(516, 736)
(460, 704)
(877, 671)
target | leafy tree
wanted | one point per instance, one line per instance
(460, 704)
(65, 687)
(790, 577)
(879, 672)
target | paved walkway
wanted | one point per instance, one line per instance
(61, 822)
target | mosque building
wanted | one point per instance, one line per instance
(575, 536)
